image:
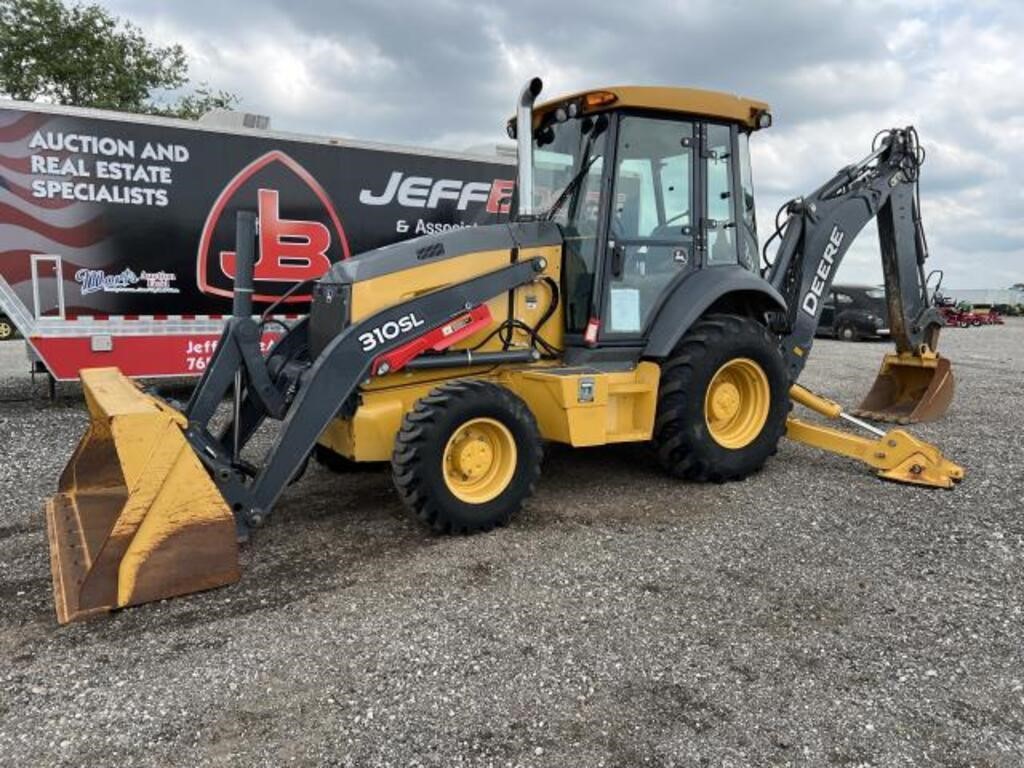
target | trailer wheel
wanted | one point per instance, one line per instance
(6, 329)
(723, 401)
(467, 456)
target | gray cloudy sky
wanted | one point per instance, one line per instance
(446, 73)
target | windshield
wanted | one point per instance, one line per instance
(566, 154)
(568, 158)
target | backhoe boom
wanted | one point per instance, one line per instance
(915, 384)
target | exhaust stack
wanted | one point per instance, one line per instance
(524, 141)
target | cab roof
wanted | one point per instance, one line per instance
(689, 101)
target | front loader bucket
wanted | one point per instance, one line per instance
(136, 517)
(908, 389)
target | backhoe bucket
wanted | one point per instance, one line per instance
(136, 517)
(908, 389)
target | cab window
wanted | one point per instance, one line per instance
(719, 221)
(750, 256)
(561, 151)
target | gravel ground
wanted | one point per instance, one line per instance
(811, 615)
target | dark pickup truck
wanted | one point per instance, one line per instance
(853, 312)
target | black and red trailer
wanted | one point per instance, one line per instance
(116, 230)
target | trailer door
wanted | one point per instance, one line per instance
(47, 287)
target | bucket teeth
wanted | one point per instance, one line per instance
(137, 518)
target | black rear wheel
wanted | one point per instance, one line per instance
(723, 401)
(467, 456)
(6, 329)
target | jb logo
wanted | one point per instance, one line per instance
(290, 251)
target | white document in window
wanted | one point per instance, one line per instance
(625, 310)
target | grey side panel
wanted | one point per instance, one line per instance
(691, 298)
(447, 245)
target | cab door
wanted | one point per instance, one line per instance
(651, 232)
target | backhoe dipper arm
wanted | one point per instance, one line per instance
(820, 228)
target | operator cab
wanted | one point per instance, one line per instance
(648, 186)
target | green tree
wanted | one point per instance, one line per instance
(82, 56)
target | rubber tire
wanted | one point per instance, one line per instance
(416, 464)
(684, 446)
(847, 332)
(6, 329)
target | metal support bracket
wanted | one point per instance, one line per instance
(894, 455)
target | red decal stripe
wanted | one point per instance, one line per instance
(20, 128)
(26, 195)
(437, 339)
(174, 355)
(17, 164)
(82, 236)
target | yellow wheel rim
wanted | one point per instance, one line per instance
(479, 460)
(736, 403)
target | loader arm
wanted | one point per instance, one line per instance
(305, 395)
(914, 384)
(153, 501)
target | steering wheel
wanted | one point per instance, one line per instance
(674, 218)
(665, 229)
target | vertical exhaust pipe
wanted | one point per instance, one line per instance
(524, 141)
(245, 242)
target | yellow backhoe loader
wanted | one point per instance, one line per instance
(624, 302)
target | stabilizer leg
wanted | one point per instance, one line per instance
(894, 455)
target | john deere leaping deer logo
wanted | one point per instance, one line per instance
(290, 250)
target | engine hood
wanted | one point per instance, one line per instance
(446, 245)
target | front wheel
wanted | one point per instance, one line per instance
(723, 401)
(467, 456)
